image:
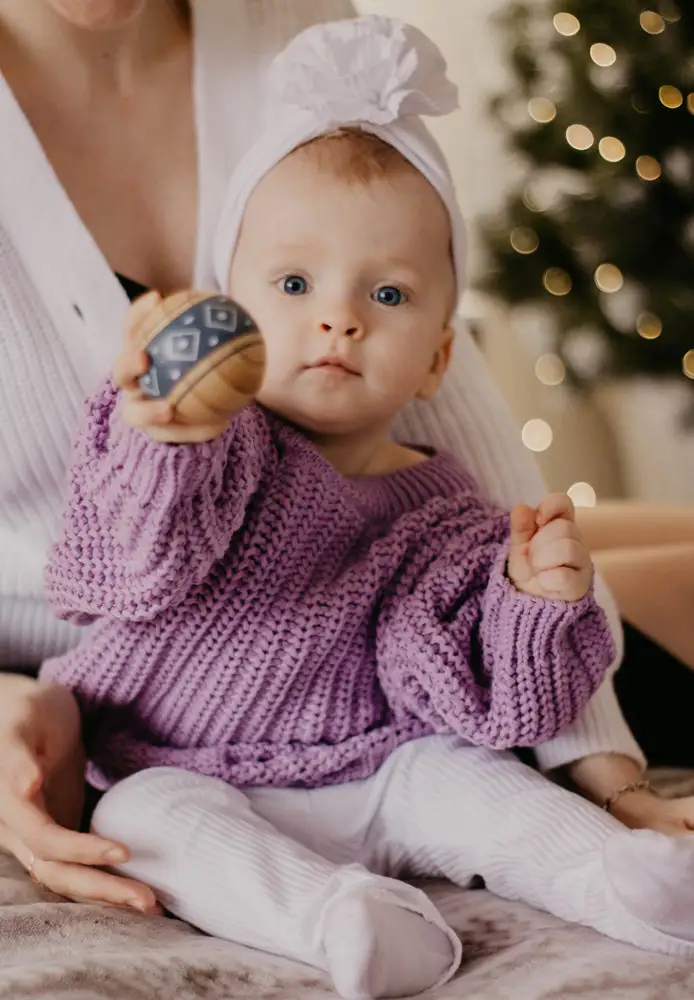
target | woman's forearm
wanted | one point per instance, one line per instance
(600, 775)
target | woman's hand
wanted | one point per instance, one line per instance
(41, 795)
(156, 417)
(597, 777)
(644, 810)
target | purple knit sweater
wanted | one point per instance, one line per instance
(261, 618)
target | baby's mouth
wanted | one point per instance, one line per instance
(334, 362)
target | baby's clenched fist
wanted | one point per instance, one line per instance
(547, 555)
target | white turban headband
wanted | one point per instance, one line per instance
(376, 73)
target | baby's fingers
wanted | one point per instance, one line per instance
(143, 413)
(562, 552)
(128, 369)
(553, 506)
(138, 319)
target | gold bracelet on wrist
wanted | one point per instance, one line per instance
(643, 785)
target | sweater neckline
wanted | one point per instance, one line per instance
(389, 494)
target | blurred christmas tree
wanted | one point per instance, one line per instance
(599, 235)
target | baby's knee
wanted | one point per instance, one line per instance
(148, 796)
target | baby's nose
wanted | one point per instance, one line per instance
(348, 331)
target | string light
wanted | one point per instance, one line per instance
(648, 168)
(542, 110)
(652, 23)
(688, 364)
(524, 240)
(550, 369)
(649, 326)
(580, 137)
(603, 55)
(537, 435)
(611, 149)
(557, 281)
(671, 97)
(582, 495)
(567, 24)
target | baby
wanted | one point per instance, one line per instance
(314, 645)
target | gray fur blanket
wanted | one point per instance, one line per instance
(54, 950)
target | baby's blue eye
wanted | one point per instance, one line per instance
(294, 285)
(388, 295)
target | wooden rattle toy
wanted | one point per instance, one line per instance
(206, 353)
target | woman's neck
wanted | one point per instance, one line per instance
(83, 60)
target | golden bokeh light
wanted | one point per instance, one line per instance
(557, 281)
(567, 24)
(602, 54)
(550, 369)
(652, 23)
(582, 495)
(524, 240)
(609, 278)
(537, 435)
(671, 97)
(579, 136)
(670, 11)
(542, 110)
(611, 149)
(690, 103)
(688, 364)
(649, 326)
(648, 168)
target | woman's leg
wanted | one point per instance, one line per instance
(627, 524)
(654, 590)
(461, 811)
(214, 861)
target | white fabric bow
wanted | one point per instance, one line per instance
(370, 69)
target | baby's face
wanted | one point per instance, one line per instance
(352, 287)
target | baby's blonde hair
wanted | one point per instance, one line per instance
(352, 154)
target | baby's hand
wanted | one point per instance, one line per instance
(547, 556)
(156, 417)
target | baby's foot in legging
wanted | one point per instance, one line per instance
(376, 948)
(653, 877)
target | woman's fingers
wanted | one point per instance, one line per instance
(92, 885)
(27, 825)
(21, 772)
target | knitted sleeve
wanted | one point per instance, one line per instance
(144, 521)
(460, 648)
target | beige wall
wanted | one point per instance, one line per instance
(582, 448)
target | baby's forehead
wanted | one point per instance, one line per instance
(302, 202)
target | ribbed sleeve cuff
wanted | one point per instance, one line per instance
(160, 473)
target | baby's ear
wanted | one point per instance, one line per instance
(439, 367)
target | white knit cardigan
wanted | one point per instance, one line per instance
(61, 312)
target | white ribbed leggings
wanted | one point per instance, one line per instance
(304, 873)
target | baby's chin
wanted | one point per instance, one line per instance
(321, 418)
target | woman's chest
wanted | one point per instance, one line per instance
(129, 167)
